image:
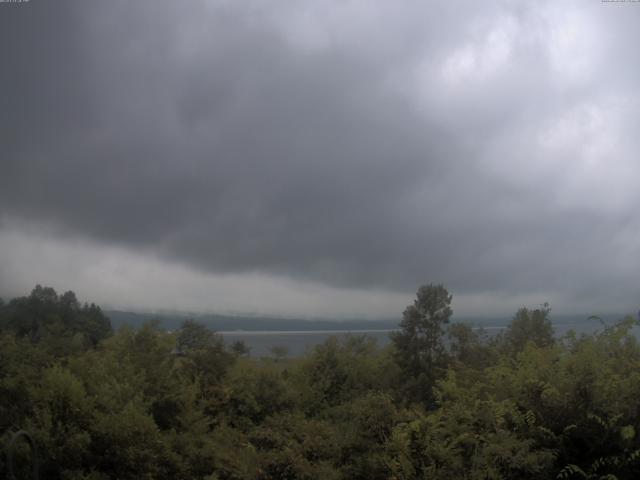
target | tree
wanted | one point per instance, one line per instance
(194, 336)
(93, 323)
(468, 346)
(205, 356)
(45, 316)
(420, 352)
(529, 326)
(279, 352)
(240, 348)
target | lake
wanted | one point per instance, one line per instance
(298, 343)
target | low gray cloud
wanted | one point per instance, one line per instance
(359, 146)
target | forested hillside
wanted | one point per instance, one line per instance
(442, 401)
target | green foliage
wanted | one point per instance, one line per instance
(255, 393)
(59, 321)
(336, 372)
(529, 326)
(156, 405)
(468, 347)
(204, 359)
(292, 446)
(240, 348)
(279, 352)
(420, 351)
(194, 336)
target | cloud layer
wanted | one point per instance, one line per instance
(347, 145)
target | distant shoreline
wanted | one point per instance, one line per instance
(301, 332)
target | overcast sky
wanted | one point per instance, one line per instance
(325, 159)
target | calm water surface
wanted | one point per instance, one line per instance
(299, 342)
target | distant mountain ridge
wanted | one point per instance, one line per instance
(230, 323)
(172, 321)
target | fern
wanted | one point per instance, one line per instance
(571, 470)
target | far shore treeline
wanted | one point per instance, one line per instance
(442, 400)
(230, 323)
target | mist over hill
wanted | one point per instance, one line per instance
(230, 323)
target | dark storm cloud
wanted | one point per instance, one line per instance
(348, 144)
